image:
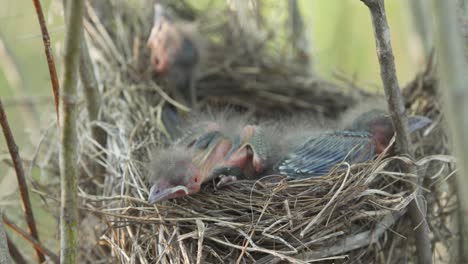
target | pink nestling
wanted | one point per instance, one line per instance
(232, 147)
(209, 149)
(175, 52)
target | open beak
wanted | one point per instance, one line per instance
(416, 123)
(157, 195)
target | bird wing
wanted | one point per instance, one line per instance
(319, 154)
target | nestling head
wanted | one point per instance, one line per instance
(163, 39)
(379, 124)
(181, 169)
(173, 175)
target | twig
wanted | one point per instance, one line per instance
(422, 25)
(356, 241)
(201, 236)
(348, 243)
(93, 103)
(14, 251)
(257, 249)
(300, 43)
(36, 244)
(4, 243)
(68, 150)
(453, 79)
(399, 119)
(23, 187)
(89, 81)
(388, 74)
(49, 55)
(319, 215)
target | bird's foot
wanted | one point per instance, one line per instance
(225, 180)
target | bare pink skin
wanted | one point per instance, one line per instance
(382, 131)
(206, 161)
(380, 140)
(164, 42)
(257, 162)
(214, 158)
(176, 185)
(194, 173)
(242, 159)
(245, 158)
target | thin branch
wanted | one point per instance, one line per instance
(298, 31)
(49, 55)
(257, 7)
(388, 74)
(93, 103)
(14, 251)
(23, 187)
(453, 71)
(4, 251)
(422, 25)
(68, 151)
(356, 241)
(36, 244)
(396, 108)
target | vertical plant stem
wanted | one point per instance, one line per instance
(4, 251)
(416, 209)
(68, 151)
(453, 72)
(298, 31)
(49, 55)
(23, 187)
(422, 24)
(93, 103)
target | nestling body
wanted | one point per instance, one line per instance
(249, 150)
(175, 53)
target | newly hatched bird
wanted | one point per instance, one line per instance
(173, 174)
(229, 145)
(298, 149)
(368, 136)
(247, 148)
(209, 149)
(175, 52)
(181, 169)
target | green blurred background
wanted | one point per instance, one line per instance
(340, 33)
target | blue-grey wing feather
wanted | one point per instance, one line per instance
(318, 155)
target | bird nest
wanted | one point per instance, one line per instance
(356, 213)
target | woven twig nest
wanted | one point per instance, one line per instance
(353, 214)
(341, 216)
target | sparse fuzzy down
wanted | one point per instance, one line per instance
(175, 52)
(164, 161)
(229, 122)
(225, 142)
(348, 117)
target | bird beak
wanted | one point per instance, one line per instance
(158, 12)
(157, 195)
(416, 123)
(256, 145)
